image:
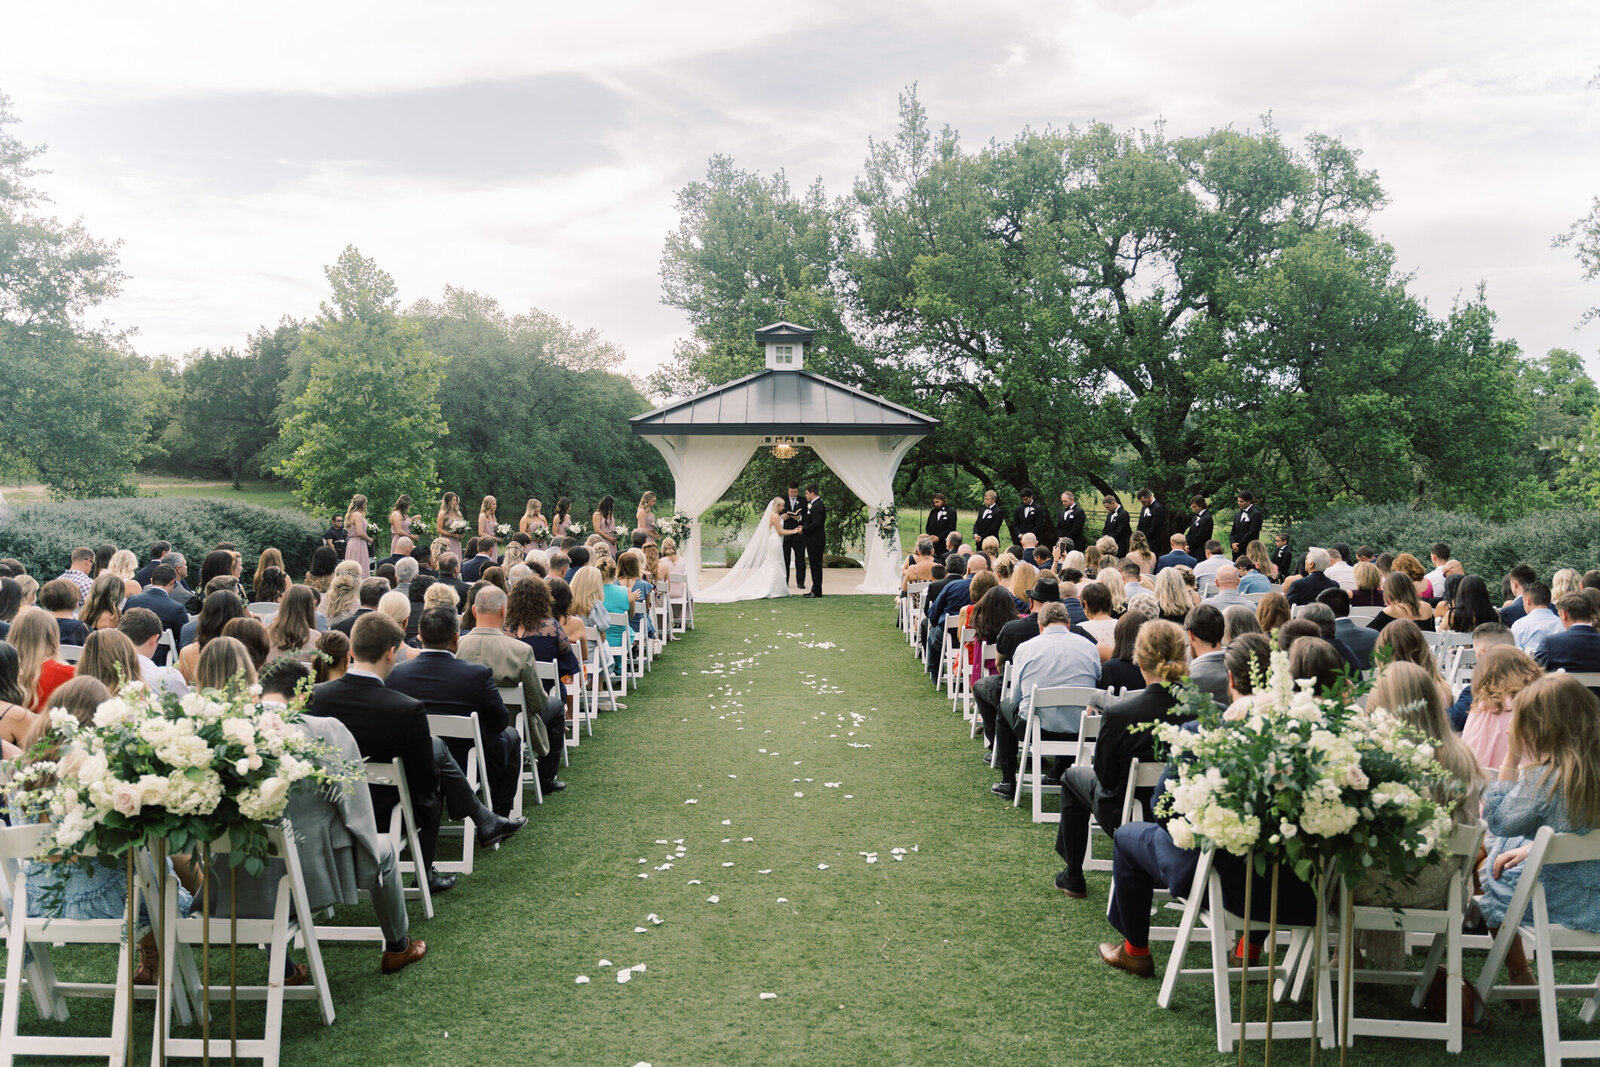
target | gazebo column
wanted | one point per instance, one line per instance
(702, 466)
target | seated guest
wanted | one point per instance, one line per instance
(1097, 622)
(1303, 589)
(1400, 601)
(342, 600)
(332, 657)
(1368, 592)
(1576, 649)
(1470, 607)
(1228, 594)
(219, 609)
(1099, 788)
(1204, 628)
(1486, 636)
(1500, 674)
(373, 590)
(405, 572)
(77, 575)
(423, 556)
(388, 726)
(578, 558)
(293, 631)
(1118, 669)
(1177, 556)
(323, 560)
(955, 595)
(473, 568)
(401, 549)
(10, 603)
(417, 595)
(1402, 640)
(397, 607)
(1520, 577)
(452, 685)
(1538, 622)
(249, 632)
(1411, 567)
(1132, 580)
(512, 663)
(158, 598)
(1173, 596)
(531, 618)
(110, 657)
(16, 719)
(1236, 622)
(157, 550)
(1339, 569)
(450, 574)
(1272, 611)
(1328, 629)
(1358, 639)
(1057, 657)
(102, 609)
(920, 567)
(143, 629)
(1251, 578)
(60, 598)
(1214, 561)
(41, 669)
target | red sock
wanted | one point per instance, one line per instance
(1255, 950)
(1135, 950)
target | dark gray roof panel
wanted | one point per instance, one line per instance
(783, 401)
(785, 331)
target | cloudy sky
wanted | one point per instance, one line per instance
(531, 151)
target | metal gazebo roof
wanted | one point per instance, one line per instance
(783, 401)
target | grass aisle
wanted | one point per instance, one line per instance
(959, 952)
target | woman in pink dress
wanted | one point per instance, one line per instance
(449, 514)
(399, 519)
(1502, 672)
(486, 518)
(358, 548)
(605, 523)
(645, 518)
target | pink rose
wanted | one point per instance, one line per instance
(125, 799)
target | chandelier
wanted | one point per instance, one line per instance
(783, 447)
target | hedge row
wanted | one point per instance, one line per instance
(43, 535)
(1547, 540)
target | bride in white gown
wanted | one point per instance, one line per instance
(759, 573)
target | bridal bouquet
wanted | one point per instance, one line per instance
(457, 527)
(187, 770)
(540, 530)
(503, 530)
(886, 520)
(418, 525)
(1305, 780)
(676, 527)
(622, 532)
(574, 528)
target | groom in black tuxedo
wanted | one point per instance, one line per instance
(811, 533)
(794, 544)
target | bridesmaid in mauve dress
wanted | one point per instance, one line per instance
(359, 546)
(486, 518)
(399, 519)
(449, 512)
(645, 518)
(605, 523)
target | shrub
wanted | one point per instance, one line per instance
(43, 535)
(1547, 540)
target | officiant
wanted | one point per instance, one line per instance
(794, 544)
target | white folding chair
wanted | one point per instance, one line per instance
(1549, 849)
(167, 642)
(1588, 678)
(1071, 699)
(18, 844)
(1008, 687)
(961, 696)
(1461, 674)
(681, 600)
(291, 921)
(949, 656)
(913, 611)
(512, 697)
(599, 674)
(1254, 598)
(71, 653)
(265, 610)
(1222, 927)
(1362, 616)
(986, 652)
(465, 728)
(1445, 926)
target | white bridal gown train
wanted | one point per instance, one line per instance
(759, 573)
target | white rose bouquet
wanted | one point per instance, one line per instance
(886, 519)
(574, 529)
(503, 530)
(1305, 781)
(186, 771)
(677, 527)
(622, 533)
(418, 525)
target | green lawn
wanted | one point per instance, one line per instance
(961, 952)
(266, 494)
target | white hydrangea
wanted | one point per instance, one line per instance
(188, 797)
(239, 731)
(1228, 829)
(188, 751)
(1327, 818)
(113, 712)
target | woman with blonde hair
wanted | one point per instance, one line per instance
(1400, 601)
(1263, 560)
(514, 555)
(1111, 578)
(224, 659)
(358, 543)
(343, 599)
(1172, 596)
(644, 519)
(294, 628)
(1076, 561)
(125, 565)
(1272, 612)
(440, 595)
(399, 520)
(486, 517)
(1368, 593)
(990, 546)
(1093, 560)
(1501, 673)
(40, 668)
(437, 549)
(102, 608)
(1023, 577)
(1161, 653)
(588, 604)
(449, 514)
(1564, 582)
(397, 606)
(669, 550)
(109, 656)
(534, 524)
(270, 557)
(1140, 552)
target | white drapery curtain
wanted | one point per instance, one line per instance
(867, 465)
(702, 466)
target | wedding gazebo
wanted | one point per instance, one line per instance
(707, 440)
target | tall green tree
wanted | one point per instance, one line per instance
(368, 420)
(230, 403)
(68, 419)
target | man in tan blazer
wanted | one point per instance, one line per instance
(512, 662)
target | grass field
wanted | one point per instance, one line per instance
(266, 494)
(960, 951)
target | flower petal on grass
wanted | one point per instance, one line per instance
(582, 979)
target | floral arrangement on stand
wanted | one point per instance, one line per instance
(887, 521)
(419, 526)
(678, 527)
(152, 768)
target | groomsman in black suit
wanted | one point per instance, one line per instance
(1152, 519)
(1247, 526)
(988, 521)
(1199, 528)
(157, 551)
(811, 530)
(1070, 522)
(794, 544)
(1028, 518)
(941, 519)
(1116, 526)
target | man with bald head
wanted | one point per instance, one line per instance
(401, 549)
(1227, 594)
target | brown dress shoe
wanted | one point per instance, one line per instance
(1139, 966)
(395, 961)
(301, 975)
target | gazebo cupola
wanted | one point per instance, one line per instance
(785, 344)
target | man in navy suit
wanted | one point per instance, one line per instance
(157, 597)
(451, 686)
(473, 568)
(1177, 557)
(1576, 649)
(157, 551)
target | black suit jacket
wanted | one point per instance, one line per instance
(1153, 523)
(451, 686)
(1199, 533)
(1118, 743)
(812, 527)
(348, 623)
(794, 506)
(1028, 518)
(472, 569)
(142, 575)
(1247, 528)
(987, 524)
(1306, 589)
(1070, 524)
(391, 560)
(169, 611)
(1117, 527)
(387, 725)
(1576, 650)
(941, 522)
(461, 588)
